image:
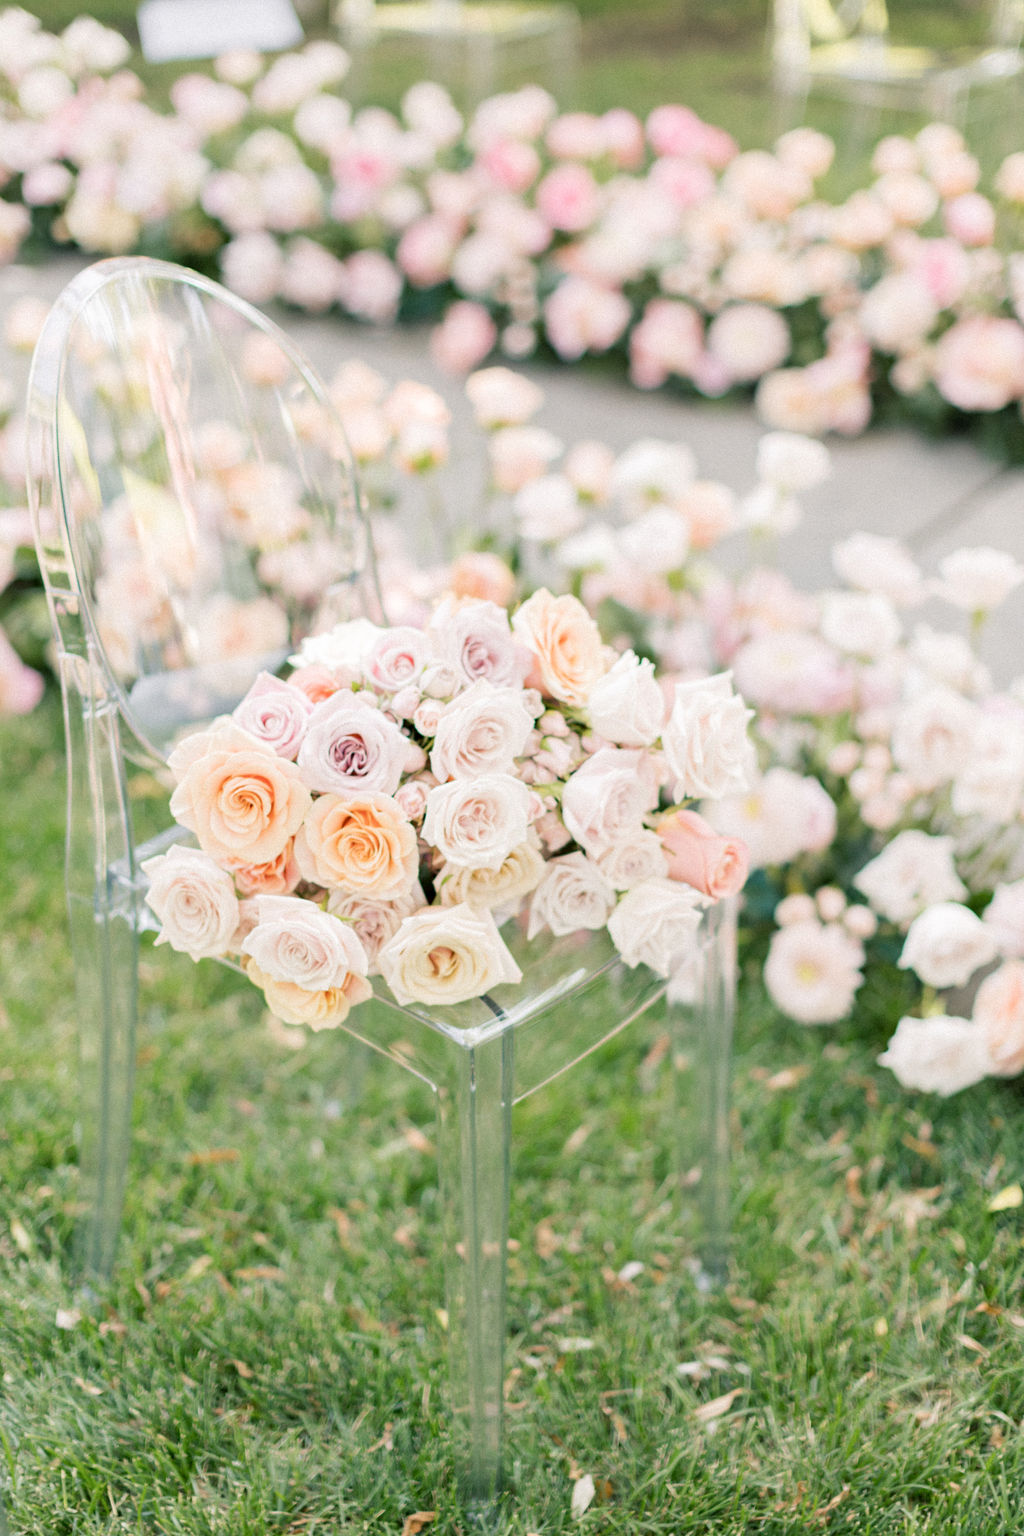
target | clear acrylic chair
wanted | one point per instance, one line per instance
(853, 48)
(195, 512)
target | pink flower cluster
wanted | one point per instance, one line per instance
(409, 791)
(658, 238)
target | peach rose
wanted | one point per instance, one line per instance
(277, 877)
(566, 645)
(483, 575)
(999, 1014)
(292, 1004)
(363, 844)
(243, 805)
(697, 854)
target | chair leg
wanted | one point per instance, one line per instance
(701, 1016)
(473, 1125)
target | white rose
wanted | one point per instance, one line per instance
(573, 894)
(446, 955)
(657, 542)
(791, 462)
(860, 623)
(946, 944)
(295, 942)
(937, 1055)
(651, 470)
(1004, 915)
(608, 797)
(547, 509)
(627, 706)
(195, 901)
(948, 658)
(913, 872)
(991, 782)
(656, 924)
(873, 563)
(932, 737)
(494, 888)
(476, 823)
(632, 860)
(502, 398)
(345, 647)
(482, 730)
(978, 579)
(705, 740)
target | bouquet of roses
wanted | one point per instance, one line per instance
(407, 791)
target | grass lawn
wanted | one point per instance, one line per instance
(269, 1357)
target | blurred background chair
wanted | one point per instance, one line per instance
(195, 514)
(860, 49)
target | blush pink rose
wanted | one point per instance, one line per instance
(715, 865)
(275, 713)
(351, 747)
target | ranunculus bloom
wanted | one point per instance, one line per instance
(565, 643)
(946, 944)
(195, 901)
(939, 1055)
(715, 865)
(362, 844)
(446, 955)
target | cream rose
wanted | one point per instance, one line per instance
(293, 941)
(566, 645)
(631, 860)
(573, 894)
(476, 823)
(656, 924)
(363, 844)
(324, 1009)
(243, 806)
(446, 955)
(626, 705)
(606, 799)
(946, 944)
(482, 730)
(999, 1014)
(194, 900)
(493, 888)
(350, 747)
(705, 741)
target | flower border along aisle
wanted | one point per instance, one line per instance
(657, 240)
(409, 791)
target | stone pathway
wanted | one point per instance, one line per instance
(936, 495)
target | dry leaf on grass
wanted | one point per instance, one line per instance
(212, 1156)
(418, 1522)
(708, 1412)
(1008, 1199)
(583, 1491)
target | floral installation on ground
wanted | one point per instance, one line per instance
(409, 792)
(657, 240)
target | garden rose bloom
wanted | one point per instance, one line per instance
(502, 398)
(1004, 916)
(999, 1014)
(565, 643)
(485, 576)
(911, 873)
(475, 640)
(626, 705)
(813, 971)
(978, 579)
(860, 623)
(715, 865)
(278, 877)
(748, 340)
(446, 955)
(792, 462)
(374, 921)
(476, 823)
(362, 844)
(293, 941)
(463, 339)
(656, 924)
(946, 944)
(873, 563)
(940, 1054)
(606, 799)
(244, 805)
(632, 859)
(572, 894)
(482, 730)
(583, 316)
(705, 741)
(351, 747)
(323, 1008)
(979, 363)
(194, 900)
(275, 713)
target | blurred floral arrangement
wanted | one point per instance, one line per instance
(655, 240)
(408, 792)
